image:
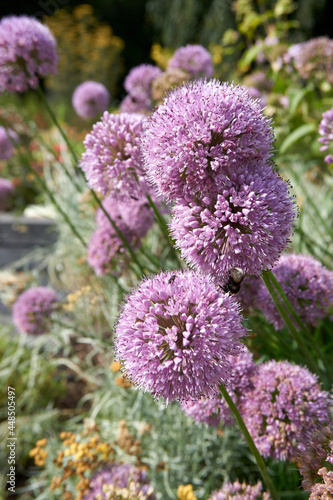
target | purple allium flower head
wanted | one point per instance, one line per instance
(132, 217)
(283, 408)
(317, 456)
(33, 308)
(326, 131)
(201, 129)
(246, 224)
(139, 81)
(90, 99)
(212, 411)
(119, 476)
(131, 105)
(7, 137)
(112, 160)
(308, 286)
(6, 193)
(174, 334)
(27, 53)
(240, 491)
(194, 59)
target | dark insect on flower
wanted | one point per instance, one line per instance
(236, 276)
(172, 279)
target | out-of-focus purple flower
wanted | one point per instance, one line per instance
(33, 308)
(194, 59)
(27, 53)
(259, 80)
(201, 129)
(133, 217)
(246, 224)
(139, 81)
(282, 409)
(165, 81)
(326, 131)
(317, 457)
(256, 94)
(112, 160)
(308, 286)
(90, 99)
(7, 137)
(6, 193)
(174, 334)
(240, 491)
(312, 59)
(131, 105)
(119, 476)
(212, 411)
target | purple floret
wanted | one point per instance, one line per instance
(6, 193)
(308, 286)
(174, 334)
(119, 476)
(326, 131)
(201, 129)
(194, 59)
(27, 53)
(112, 162)
(32, 310)
(240, 491)
(7, 137)
(283, 408)
(131, 105)
(139, 81)
(90, 99)
(246, 224)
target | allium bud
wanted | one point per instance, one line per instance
(33, 308)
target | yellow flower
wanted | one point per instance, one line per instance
(185, 492)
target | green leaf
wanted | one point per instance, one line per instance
(296, 135)
(297, 98)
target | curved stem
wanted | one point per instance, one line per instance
(260, 461)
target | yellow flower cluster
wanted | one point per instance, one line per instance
(86, 48)
(185, 492)
(73, 297)
(38, 453)
(160, 55)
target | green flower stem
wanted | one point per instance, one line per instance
(164, 227)
(289, 323)
(260, 461)
(120, 234)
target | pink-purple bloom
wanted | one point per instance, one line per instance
(285, 405)
(119, 476)
(112, 161)
(90, 99)
(326, 132)
(212, 411)
(194, 59)
(174, 334)
(27, 53)
(139, 81)
(33, 308)
(131, 105)
(240, 491)
(7, 137)
(201, 129)
(308, 286)
(247, 223)
(6, 193)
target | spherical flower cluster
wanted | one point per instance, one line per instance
(317, 459)
(27, 53)
(119, 476)
(130, 105)
(194, 59)
(139, 81)
(313, 58)
(33, 308)
(308, 286)
(7, 137)
(165, 81)
(133, 217)
(90, 99)
(6, 193)
(174, 334)
(326, 131)
(239, 384)
(240, 491)
(112, 160)
(201, 129)
(246, 224)
(283, 407)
